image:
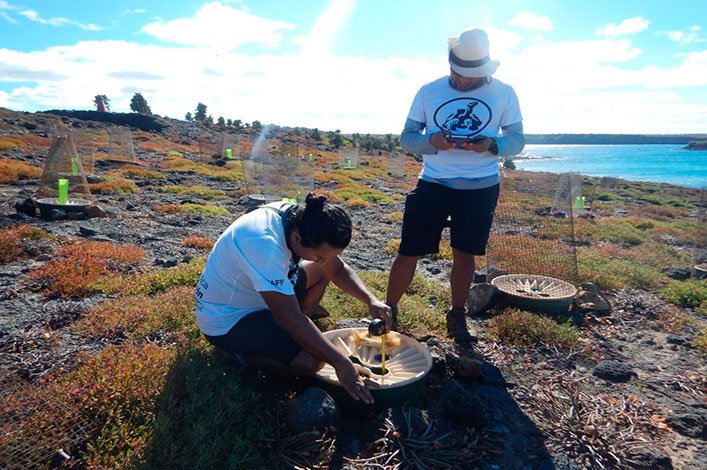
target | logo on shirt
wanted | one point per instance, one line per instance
(277, 282)
(463, 116)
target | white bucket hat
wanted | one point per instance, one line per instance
(469, 54)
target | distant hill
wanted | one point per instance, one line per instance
(614, 139)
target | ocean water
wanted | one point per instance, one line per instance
(655, 163)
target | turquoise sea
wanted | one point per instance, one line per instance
(655, 163)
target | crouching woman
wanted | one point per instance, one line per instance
(263, 282)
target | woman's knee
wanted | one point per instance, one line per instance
(306, 364)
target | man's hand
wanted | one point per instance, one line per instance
(378, 309)
(439, 141)
(353, 382)
(479, 146)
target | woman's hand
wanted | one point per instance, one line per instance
(378, 309)
(353, 382)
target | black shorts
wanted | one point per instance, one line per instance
(257, 334)
(429, 205)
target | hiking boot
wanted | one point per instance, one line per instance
(481, 298)
(394, 315)
(456, 327)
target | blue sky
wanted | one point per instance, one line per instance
(581, 67)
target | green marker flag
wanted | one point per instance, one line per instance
(74, 167)
(229, 154)
(63, 191)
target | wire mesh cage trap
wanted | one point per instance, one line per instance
(63, 180)
(533, 227)
(396, 168)
(349, 158)
(37, 429)
(271, 175)
(120, 145)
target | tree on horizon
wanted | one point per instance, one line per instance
(139, 104)
(188, 117)
(102, 103)
(200, 114)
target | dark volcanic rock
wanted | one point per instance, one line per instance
(614, 371)
(679, 274)
(481, 298)
(462, 405)
(26, 206)
(651, 458)
(691, 423)
(313, 410)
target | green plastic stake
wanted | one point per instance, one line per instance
(579, 202)
(348, 163)
(229, 154)
(74, 167)
(63, 191)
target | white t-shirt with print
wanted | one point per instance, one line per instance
(482, 111)
(250, 257)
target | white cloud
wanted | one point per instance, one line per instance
(7, 17)
(136, 11)
(684, 38)
(34, 16)
(322, 34)
(219, 26)
(6, 6)
(627, 26)
(530, 20)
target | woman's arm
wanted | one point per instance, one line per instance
(287, 314)
(347, 280)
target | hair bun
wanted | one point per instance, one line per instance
(315, 201)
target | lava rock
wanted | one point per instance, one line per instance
(464, 367)
(462, 405)
(692, 424)
(26, 206)
(481, 298)
(614, 371)
(314, 410)
(679, 274)
(166, 262)
(651, 458)
(590, 299)
(95, 211)
(56, 214)
(87, 231)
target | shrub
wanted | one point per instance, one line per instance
(195, 241)
(14, 170)
(691, 293)
(700, 341)
(136, 317)
(11, 246)
(134, 171)
(192, 208)
(152, 282)
(117, 392)
(396, 217)
(114, 185)
(357, 203)
(82, 268)
(519, 328)
(201, 191)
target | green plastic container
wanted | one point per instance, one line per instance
(63, 190)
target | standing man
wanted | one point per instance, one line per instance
(461, 124)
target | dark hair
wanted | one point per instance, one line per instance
(319, 222)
